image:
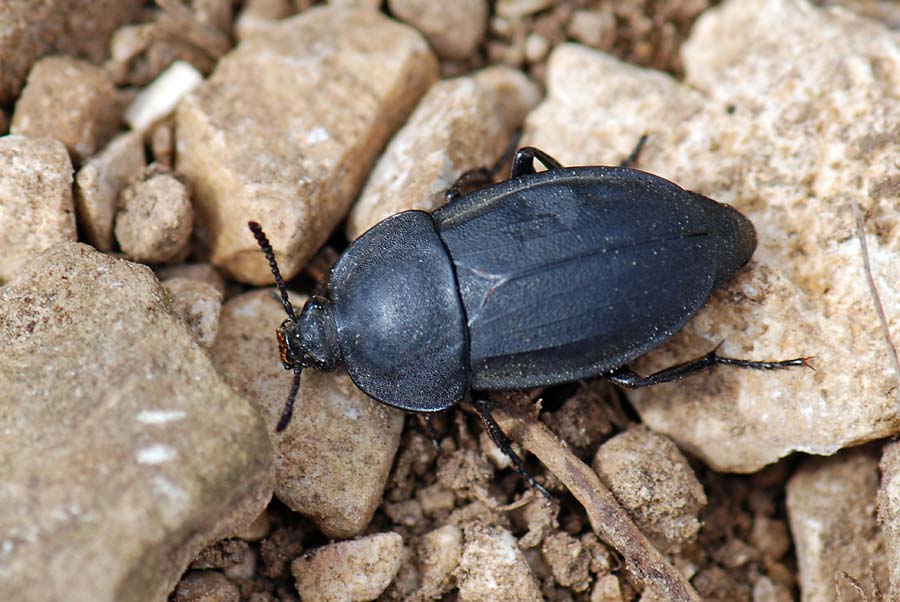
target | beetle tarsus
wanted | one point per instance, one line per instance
(426, 421)
(523, 162)
(628, 378)
(632, 159)
(483, 406)
(288, 411)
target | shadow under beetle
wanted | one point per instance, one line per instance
(541, 279)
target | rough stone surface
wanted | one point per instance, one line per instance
(654, 483)
(36, 209)
(70, 100)
(889, 513)
(124, 453)
(831, 505)
(349, 571)
(201, 272)
(99, 182)
(568, 560)
(288, 126)
(493, 567)
(38, 27)
(606, 589)
(439, 552)
(787, 143)
(206, 586)
(454, 29)
(335, 456)
(457, 126)
(155, 217)
(199, 304)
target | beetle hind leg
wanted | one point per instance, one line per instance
(628, 378)
(482, 405)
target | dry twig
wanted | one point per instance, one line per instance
(609, 520)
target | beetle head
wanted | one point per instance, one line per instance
(310, 341)
(307, 341)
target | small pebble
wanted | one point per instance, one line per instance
(99, 182)
(36, 207)
(206, 586)
(70, 100)
(155, 218)
(454, 29)
(493, 567)
(349, 571)
(199, 304)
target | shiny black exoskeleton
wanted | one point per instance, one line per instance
(541, 279)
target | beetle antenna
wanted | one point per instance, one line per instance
(289, 405)
(266, 247)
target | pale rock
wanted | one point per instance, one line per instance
(493, 567)
(831, 506)
(439, 552)
(124, 452)
(99, 182)
(786, 141)
(199, 304)
(155, 218)
(36, 207)
(889, 513)
(201, 272)
(206, 586)
(334, 458)
(349, 571)
(655, 484)
(32, 29)
(459, 125)
(454, 29)
(287, 127)
(70, 100)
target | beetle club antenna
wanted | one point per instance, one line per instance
(266, 247)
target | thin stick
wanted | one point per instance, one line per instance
(609, 520)
(873, 289)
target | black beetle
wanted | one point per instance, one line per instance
(541, 279)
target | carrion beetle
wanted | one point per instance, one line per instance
(547, 277)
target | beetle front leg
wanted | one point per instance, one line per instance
(631, 159)
(628, 378)
(482, 405)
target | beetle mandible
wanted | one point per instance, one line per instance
(544, 278)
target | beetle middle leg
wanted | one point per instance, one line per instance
(482, 405)
(482, 176)
(628, 378)
(632, 158)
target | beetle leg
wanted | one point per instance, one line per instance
(482, 405)
(632, 158)
(628, 378)
(482, 176)
(426, 421)
(523, 162)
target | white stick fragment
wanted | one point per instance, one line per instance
(160, 98)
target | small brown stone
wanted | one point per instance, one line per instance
(36, 207)
(653, 481)
(99, 182)
(155, 218)
(70, 100)
(493, 567)
(349, 571)
(454, 29)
